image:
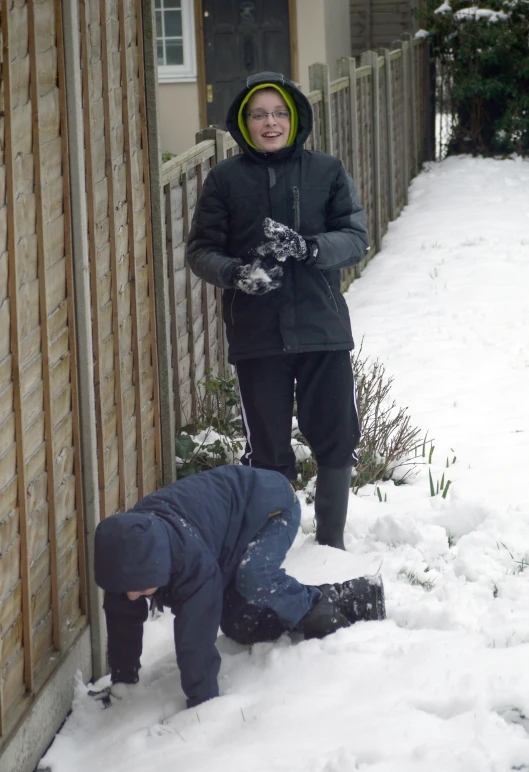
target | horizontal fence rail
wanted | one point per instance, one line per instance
(374, 117)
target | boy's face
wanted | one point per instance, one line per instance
(136, 595)
(270, 133)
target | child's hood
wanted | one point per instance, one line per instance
(295, 97)
(132, 552)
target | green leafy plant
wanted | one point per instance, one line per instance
(412, 578)
(216, 436)
(379, 494)
(483, 71)
(520, 563)
(440, 487)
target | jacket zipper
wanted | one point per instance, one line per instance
(295, 207)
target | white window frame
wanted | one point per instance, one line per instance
(181, 73)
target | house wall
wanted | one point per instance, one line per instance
(324, 35)
(311, 37)
(179, 122)
(381, 22)
(337, 33)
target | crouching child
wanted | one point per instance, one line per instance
(210, 547)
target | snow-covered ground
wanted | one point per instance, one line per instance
(443, 684)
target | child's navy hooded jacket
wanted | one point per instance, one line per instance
(187, 539)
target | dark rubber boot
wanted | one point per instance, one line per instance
(360, 599)
(323, 619)
(330, 505)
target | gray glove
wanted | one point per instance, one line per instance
(283, 242)
(112, 694)
(122, 686)
(257, 278)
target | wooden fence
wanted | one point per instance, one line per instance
(49, 384)
(375, 118)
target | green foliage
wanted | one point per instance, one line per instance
(441, 487)
(485, 72)
(166, 156)
(521, 563)
(412, 578)
(216, 437)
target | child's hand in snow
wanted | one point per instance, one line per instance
(123, 684)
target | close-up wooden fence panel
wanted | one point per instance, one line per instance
(372, 118)
(126, 387)
(43, 569)
(42, 550)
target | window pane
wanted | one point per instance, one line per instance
(174, 52)
(173, 24)
(160, 53)
(158, 4)
(159, 28)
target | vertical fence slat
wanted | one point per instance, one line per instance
(348, 69)
(45, 336)
(319, 81)
(204, 293)
(404, 47)
(413, 99)
(370, 58)
(96, 333)
(220, 155)
(72, 339)
(189, 299)
(15, 354)
(2, 140)
(172, 309)
(388, 84)
(165, 461)
(114, 263)
(140, 469)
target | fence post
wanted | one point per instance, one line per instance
(413, 100)
(159, 253)
(370, 58)
(404, 47)
(390, 131)
(319, 81)
(83, 324)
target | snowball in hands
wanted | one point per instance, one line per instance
(256, 278)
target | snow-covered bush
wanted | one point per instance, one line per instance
(484, 53)
(389, 448)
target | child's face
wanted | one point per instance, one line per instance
(270, 133)
(136, 595)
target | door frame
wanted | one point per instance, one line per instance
(201, 56)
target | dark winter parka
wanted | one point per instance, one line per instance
(187, 539)
(306, 190)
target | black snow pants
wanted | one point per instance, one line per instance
(325, 392)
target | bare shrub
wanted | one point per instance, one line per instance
(389, 446)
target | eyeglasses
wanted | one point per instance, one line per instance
(258, 116)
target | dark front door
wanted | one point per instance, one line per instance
(240, 39)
